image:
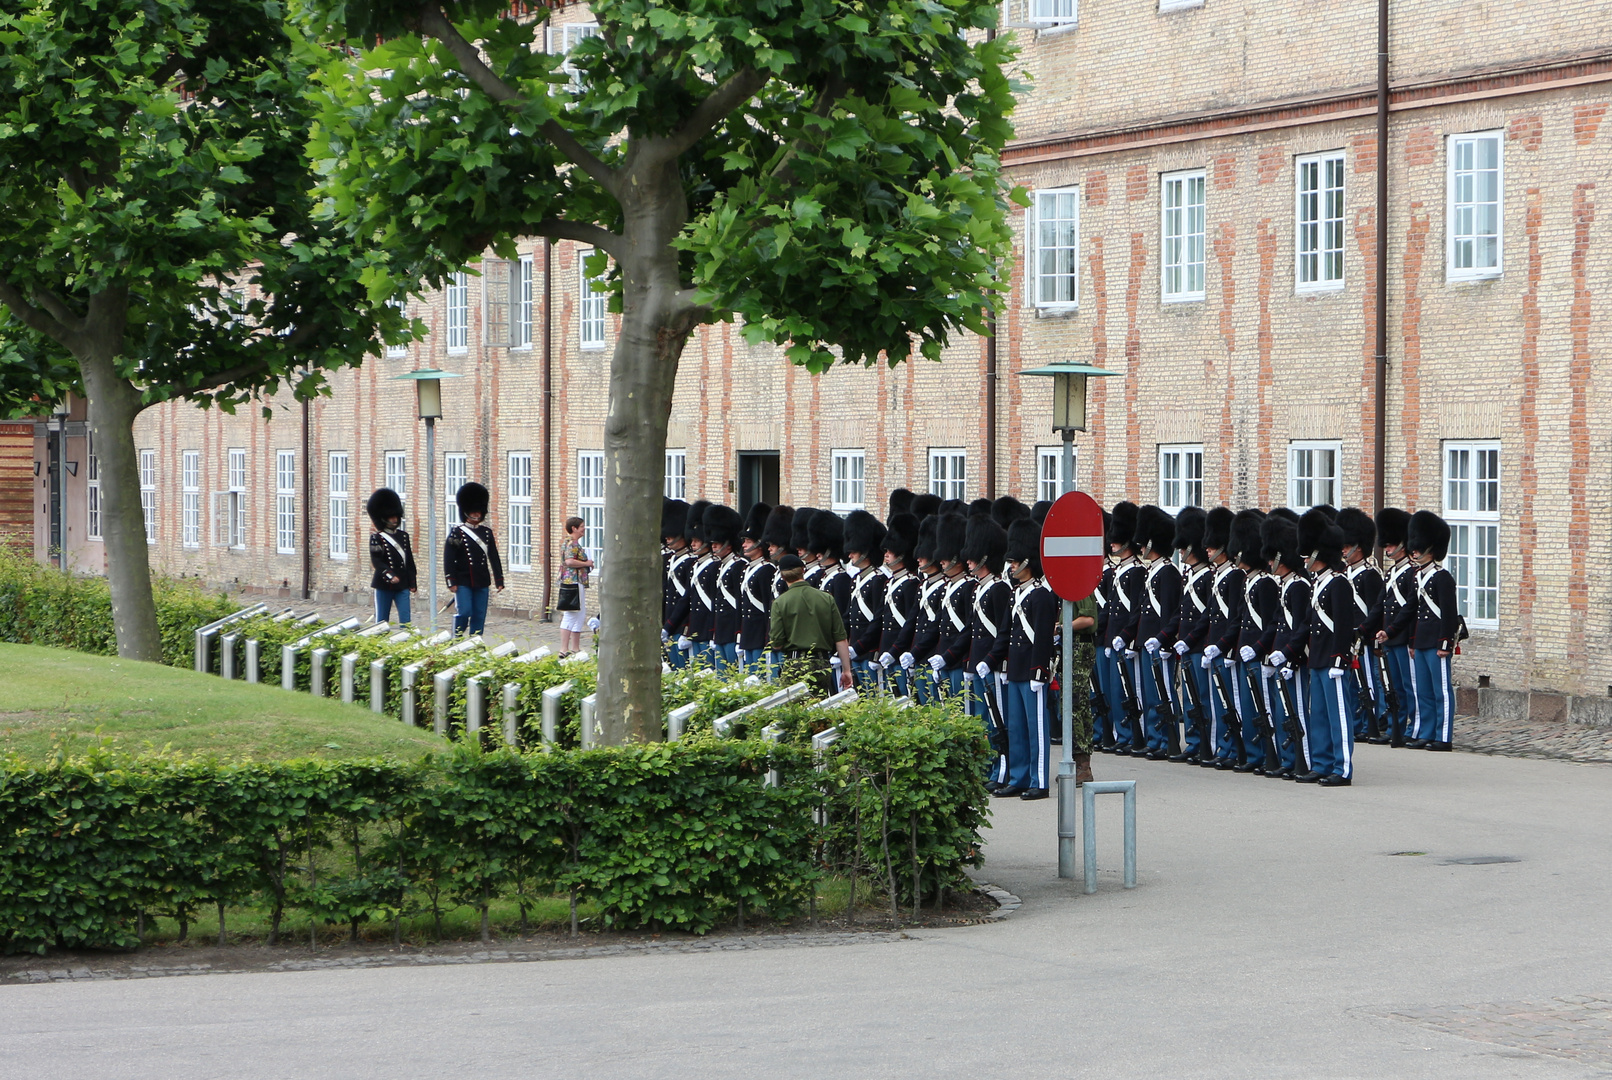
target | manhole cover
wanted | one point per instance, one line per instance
(1481, 860)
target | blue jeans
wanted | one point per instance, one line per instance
(386, 599)
(470, 609)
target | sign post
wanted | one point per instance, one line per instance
(1072, 562)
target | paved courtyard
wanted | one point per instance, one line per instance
(1445, 917)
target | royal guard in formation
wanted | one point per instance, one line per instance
(941, 600)
(1269, 643)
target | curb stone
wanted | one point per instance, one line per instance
(1006, 902)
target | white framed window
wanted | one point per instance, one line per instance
(1044, 13)
(1180, 476)
(190, 498)
(1318, 247)
(565, 38)
(397, 352)
(229, 505)
(92, 489)
(455, 474)
(1476, 180)
(1312, 473)
(676, 486)
(1049, 478)
(397, 472)
(947, 468)
(1472, 509)
(520, 510)
(148, 493)
(1057, 248)
(520, 296)
(341, 522)
(591, 310)
(459, 312)
(1181, 201)
(285, 502)
(590, 503)
(846, 481)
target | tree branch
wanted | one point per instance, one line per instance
(31, 316)
(582, 232)
(434, 23)
(223, 378)
(69, 320)
(740, 87)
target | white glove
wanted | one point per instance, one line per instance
(1152, 645)
(1276, 659)
(908, 660)
(887, 661)
(982, 669)
(685, 643)
(1335, 673)
(852, 651)
(1118, 643)
(1287, 673)
(937, 662)
(1204, 663)
(1109, 653)
(1130, 654)
(1181, 648)
(593, 623)
(1211, 652)
(664, 636)
(1266, 671)
(1247, 653)
(1036, 687)
(834, 661)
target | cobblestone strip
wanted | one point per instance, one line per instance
(1561, 741)
(1577, 1027)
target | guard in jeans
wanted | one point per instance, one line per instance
(1330, 646)
(389, 552)
(1437, 630)
(470, 560)
(1023, 653)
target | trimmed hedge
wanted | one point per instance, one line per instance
(41, 605)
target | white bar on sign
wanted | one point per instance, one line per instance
(1053, 547)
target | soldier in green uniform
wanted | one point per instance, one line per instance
(1085, 655)
(807, 629)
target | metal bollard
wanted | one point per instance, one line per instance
(349, 677)
(512, 714)
(377, 686)
(551, 710)
(206, 635)
(476, 701)
(772, 733)
(254, 670)
(1089, 792)
(677, 720)
(226, 655)
(411, 697)
(722, 726)
(834, 701)
(288, 667)
(589, 704)
(442, 688)
(318, 662)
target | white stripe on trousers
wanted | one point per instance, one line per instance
(1443, 691)
(1038, 732)
(1345, 728)
(1416, 696)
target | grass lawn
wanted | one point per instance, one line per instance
(51, 697)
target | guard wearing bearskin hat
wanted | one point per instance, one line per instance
(1330, 647)
(1399, 592)
(755, 588)
(1125, 703)
(1221, 633)
(722, 528)
(1189, 630)
(1359, 540)
(696, 638)
(1257, 617)
(827, 535)
(949, 661)
(900, 600)
(984, 551)
(800, 543)
(677, 564)
(864, 548)
(1023, 654)
(393, 558)
(1159, 609)
(1435, 627)
(921, 637)
(470, 560)
(1279, 535)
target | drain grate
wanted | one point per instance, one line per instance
(1481, 860)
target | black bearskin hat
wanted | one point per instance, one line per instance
(755, 522)
(1392, 526)
(472, 499)
(953, 506)
(863, 534)
(1189, 532)
(800, 538)
(1039, 512)
(384, 504)
(780, 524)
(673, 517)
(986, 543)
(826, 533)
(722, 524)
(1155, 528)
(1024, 544)
(1320, 538)
(925, 505)
(1217, 529)
(1006, 510)
(1286, 515)
(1429, 533)
(951, 533)
(1358, 528)
(1245, 542)
(1279, 541)
(1328, 509)
(978, 507)
(901, 537)
(1122, 524)
(924, 549)
(900, 503)
(695, 529)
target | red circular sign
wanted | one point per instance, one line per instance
(1072, 546)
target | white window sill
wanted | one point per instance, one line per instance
(458, 350)
(592, 348)
(1318, 289)
(285, 551)
(1167, 7)
(516, 569)
(1183, 298)
(1468, 277)
(390, 355)
(340, 558)
(1054, 29)
(1483, 627)
(1057, 309)
(192, 547)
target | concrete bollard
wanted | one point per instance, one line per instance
(512, 714)
(254, 670)
(552, 698)
(1089, 792)
(319, 661)
(377, 686)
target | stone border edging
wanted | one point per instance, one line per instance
(1006, 902)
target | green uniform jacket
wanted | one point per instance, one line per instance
(806, 618)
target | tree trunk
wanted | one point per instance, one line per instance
(656, 323)
(113, 406)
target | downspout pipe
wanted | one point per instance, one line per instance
(1380, 381)
(990, 382)
(548, 424)
(307, 500)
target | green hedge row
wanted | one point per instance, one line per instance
(678, 835)
(41, 605)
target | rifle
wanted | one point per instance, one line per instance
(1198, 715)
(1098, 702)
(1133, 703)
(1366, 700)
(1234, 722)
(996, 733)
(1295, 730)
(1172, 717)
(1396, 734)
(1262, 715)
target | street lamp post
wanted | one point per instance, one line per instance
(1068, 417)
(428, 388)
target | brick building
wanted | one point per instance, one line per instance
(1204, 223)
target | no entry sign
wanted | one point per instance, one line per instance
(1073, 546)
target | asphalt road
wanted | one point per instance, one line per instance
(1273, 934)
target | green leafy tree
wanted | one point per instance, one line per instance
(152, 166)
(826, 170)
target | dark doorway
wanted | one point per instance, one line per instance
(758, 479)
